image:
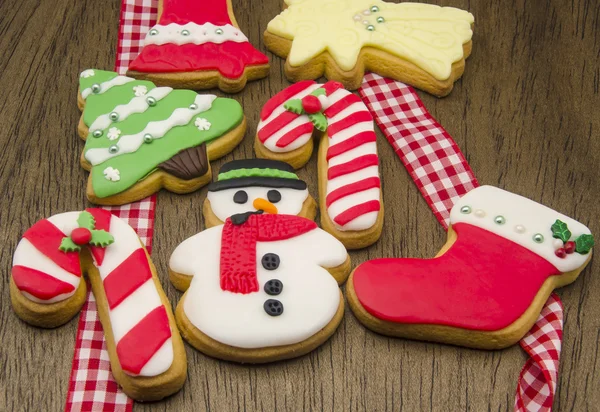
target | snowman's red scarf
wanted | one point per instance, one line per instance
(238, 246)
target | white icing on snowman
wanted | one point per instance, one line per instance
(310, 295)
(223, 205)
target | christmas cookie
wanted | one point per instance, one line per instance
(505, 254)
(257, 184)
(349, 183)
(146, 353)
(419, 44)
(198, 45)
(264, 287)
(141, 138)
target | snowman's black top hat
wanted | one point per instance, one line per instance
(256, 172)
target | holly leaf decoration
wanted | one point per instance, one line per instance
(560, 231)
(67, 245)
(101, 238)
(583, 244)
(319, 92)
(86, 220)
(294, 106)
(319, 121)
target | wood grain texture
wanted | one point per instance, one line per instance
(526, 114)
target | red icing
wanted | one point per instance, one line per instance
(295, 133)
(277, 124)
(311, 104)
(138, 345)
(127, 278)
(196, 11)
(81, 236)
(102, 218)
(39, 284)
(229, 58)
(283, 96)
(348, 121)
(351, 143)
(341, 104)
(356, 211)
(46, 238)
(352, 188)
(484, 282)
(238, 247)
(331, 86)
(352, 166)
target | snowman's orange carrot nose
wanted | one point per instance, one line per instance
(264, 205)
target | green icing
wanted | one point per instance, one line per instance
(224, 115)
(100, 76)
(100, 104)
(256, 172)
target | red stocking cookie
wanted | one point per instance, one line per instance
(349, 184)
(264, 287)
(146, 352)
(198, 45)
(504, 256)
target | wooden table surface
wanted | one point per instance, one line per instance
(526, 114)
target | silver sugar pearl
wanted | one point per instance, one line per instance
(370, 27)
(538, 238)
(499, 220)
(193, 106)
(151, 101)
(219, 31)
(374, 9)
(153, 32)
(114, 116)
(185, 32)
(96, 88)
(380, 19)
(113, 149)
(97, 133)
(465, 209)
(148, 138)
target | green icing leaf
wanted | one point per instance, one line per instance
(86, 220)
(67, 245)
(101, 238)
(560, 231)
(320, 91)
(583, 244)
(256, 172)
(319, 121)
(294, 106)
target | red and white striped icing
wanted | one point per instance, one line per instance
(353, 184)
(138, 319)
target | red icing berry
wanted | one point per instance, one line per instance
(81, 236)
(570, 247)
(311, 104)
(561, 253)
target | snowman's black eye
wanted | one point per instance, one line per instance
(274, 196)
(240, 197)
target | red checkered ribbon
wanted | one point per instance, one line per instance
(442, 174)
(91, 385)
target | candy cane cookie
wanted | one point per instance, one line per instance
(349, 185)
(146, 351)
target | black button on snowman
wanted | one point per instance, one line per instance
(246, 187)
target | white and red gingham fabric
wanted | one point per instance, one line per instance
(91, 385)
(442, 174)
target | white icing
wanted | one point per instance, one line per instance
(112, 174)
(113, 133)
(161, 361)
(346, 202)
(351, 131)
(136, 105)
(198, 34)
(140, 90)
(223, 206)
(87, 73)
(343, 180)
(362, 221)
(116, 81)
(350, 155)
(134, 308)
(126, 242)
(518, 210)
(157, 129)
(310, 294)
(202, 124)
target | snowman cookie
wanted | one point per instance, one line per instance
(141, 138)
(257, 184)
(350, 196)
(423, 45)
(145, 350)
(260, 288)
(504, 256)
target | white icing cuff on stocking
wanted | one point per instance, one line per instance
(520, 220)
(192, 33)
